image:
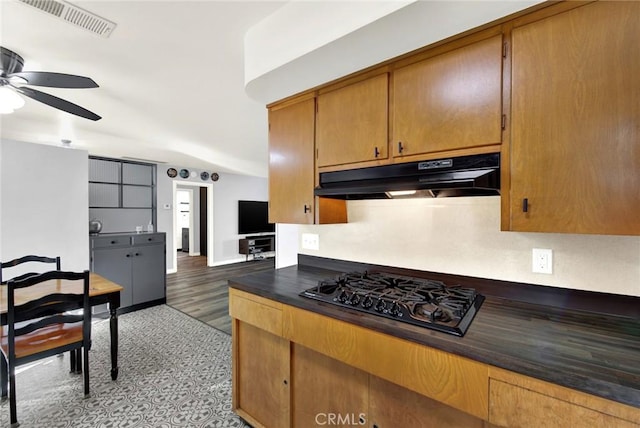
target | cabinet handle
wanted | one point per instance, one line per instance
(137, 254)
(376, 152)
(128, 255)
(285, 381)
(400, 147)
(525, 205)
(114, 242)
(307, 209)
(149, 239)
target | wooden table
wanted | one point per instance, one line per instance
(101, 291)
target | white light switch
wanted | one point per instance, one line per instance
(310, 241)
(542, 260)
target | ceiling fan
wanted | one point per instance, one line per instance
(13, 78)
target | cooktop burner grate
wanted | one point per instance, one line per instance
(417, 301)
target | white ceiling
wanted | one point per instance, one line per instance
(171, 80)
(172, 76)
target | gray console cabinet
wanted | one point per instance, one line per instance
(135, 261)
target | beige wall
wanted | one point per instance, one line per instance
(462, 236)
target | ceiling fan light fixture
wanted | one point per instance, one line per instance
(9, 101)
(11, 70)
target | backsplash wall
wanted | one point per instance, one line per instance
(462, 236)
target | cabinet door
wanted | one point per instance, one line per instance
(115, 265)
(352, 123)
(516, 407)
(575, 150)
(451, 101)
(261, 376)
(148, 273)
(326, 391)
(393, 406)
(291, 166)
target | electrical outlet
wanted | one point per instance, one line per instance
(310, 241)
(542, 260)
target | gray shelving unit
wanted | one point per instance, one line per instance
(254, 245)
(122, 194)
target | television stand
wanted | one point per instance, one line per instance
(256, 245)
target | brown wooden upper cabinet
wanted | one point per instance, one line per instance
(291, 168)
(575, 144)
(449, 101)
(352, 123)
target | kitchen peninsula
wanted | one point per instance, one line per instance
(543, 356)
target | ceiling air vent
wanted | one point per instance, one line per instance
(74, 15)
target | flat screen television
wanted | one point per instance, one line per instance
(253, 217)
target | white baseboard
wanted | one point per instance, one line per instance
(228, 262)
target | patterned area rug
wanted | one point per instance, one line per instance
(175, 371)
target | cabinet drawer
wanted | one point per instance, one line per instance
(148, 238)
(257, 311)
(110, 241)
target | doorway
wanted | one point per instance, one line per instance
(184, 230)
(193, 191)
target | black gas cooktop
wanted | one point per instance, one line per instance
(417, 301)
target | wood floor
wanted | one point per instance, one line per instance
(202, 291)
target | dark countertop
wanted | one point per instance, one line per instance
(595, 353)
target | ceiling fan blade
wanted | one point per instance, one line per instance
(55, 80)
(58, 103)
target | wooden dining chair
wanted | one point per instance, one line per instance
(27, 259)
(75, 361)
(51, 328)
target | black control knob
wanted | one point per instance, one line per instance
(367, 302)
(380, 306)
(394, 309)
(342, 297)
(355, 299)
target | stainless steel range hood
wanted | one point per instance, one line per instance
(476, 175)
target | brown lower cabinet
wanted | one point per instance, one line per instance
(325, 391)
(295, 368)
(391, 406)
(261, 387)
(518, 401)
